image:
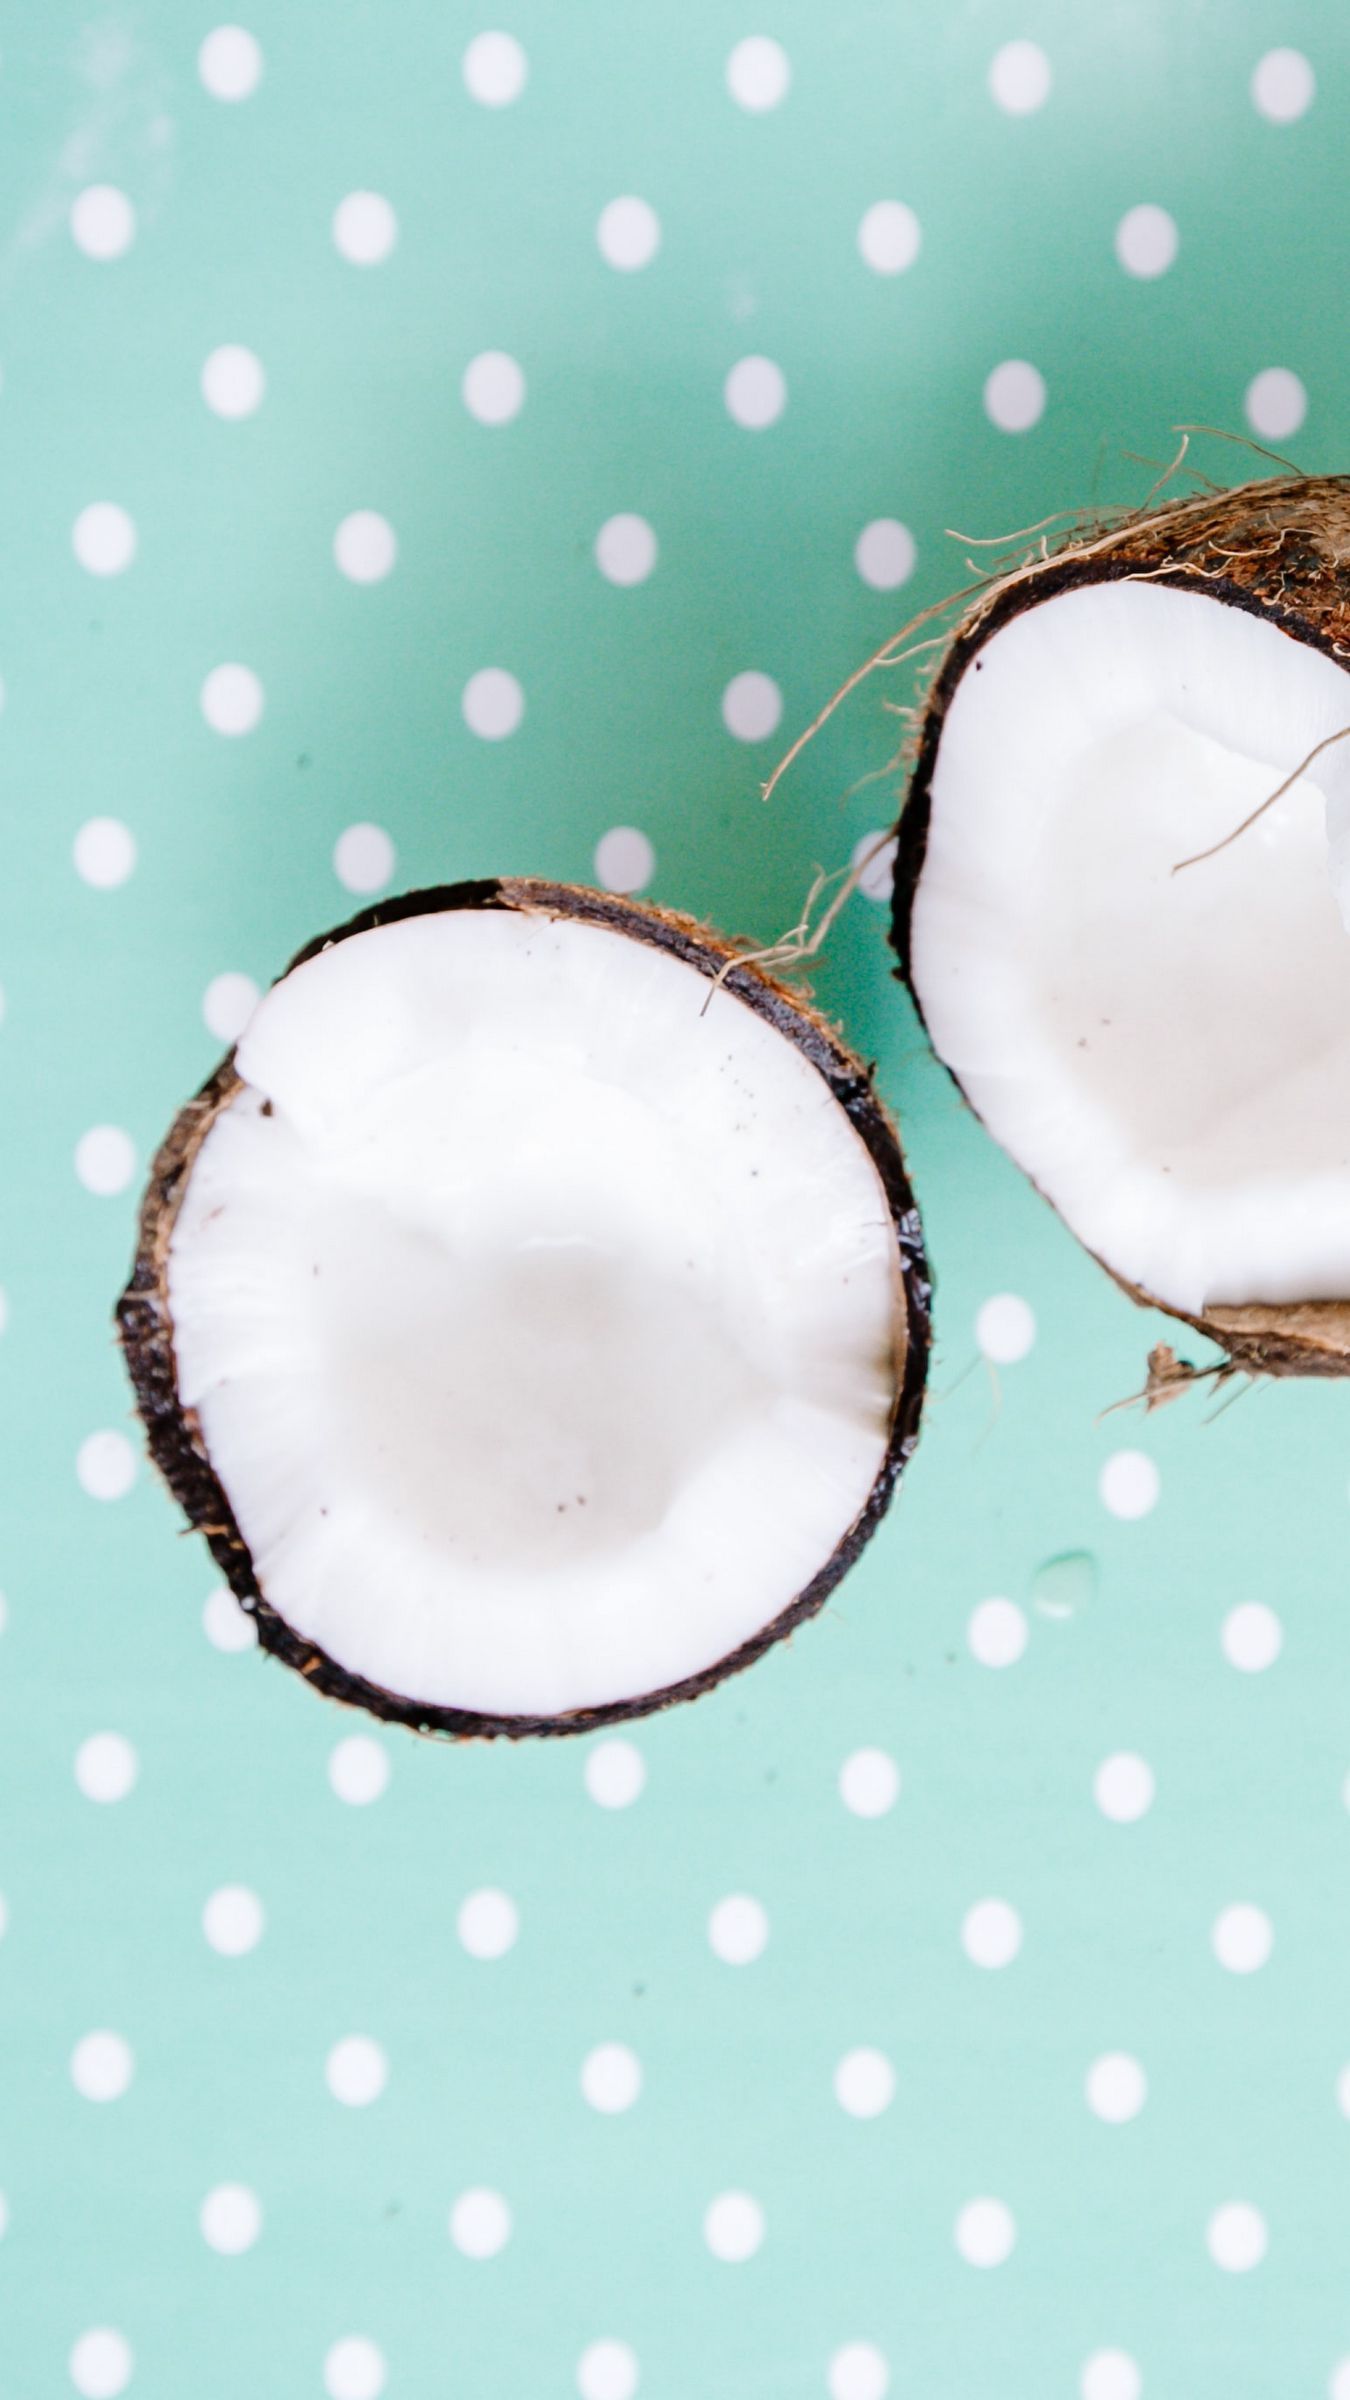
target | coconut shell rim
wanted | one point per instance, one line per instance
(145, 1328)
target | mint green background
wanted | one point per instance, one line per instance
(496, 249)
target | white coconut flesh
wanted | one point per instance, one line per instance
(1166, 1054)
(542, 1318)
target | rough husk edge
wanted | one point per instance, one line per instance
(145, 1326)
(1279, 548)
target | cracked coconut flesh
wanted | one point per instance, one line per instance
(1166, 1055)
(542, 1319)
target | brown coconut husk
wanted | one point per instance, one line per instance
(1279, 548)
(145, 1321)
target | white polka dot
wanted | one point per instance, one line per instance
(1275, 403)
(102, 221)
(1123, 1787)
(105, 1160)
(493, 388)
(1339, 2386)
(624, 860)
(1005, 1328)
(985, 2232)
(733, 2227)
(104, 853)
(1129, 1484)
(1110, 2375)
(1020, 78)
(625, 549)
(233, 381)
(607, 2371)
(755, 393)
(1237, 2238)
(611, 2077)
(869, 1783)
(858, 2372)
(1014, 396)
(752, 706)
(494, 68)
(230, 2219)
(105, 1464)
(354, 2369)
(884, 554)
(1252, 1637)
(997, 1633)
(889, 237)
(1343, 2091)
(227, 1004)
(480, 2223)
(873, 861)
(358, 1769)
(615, 1773)
(103, 538)
(230, 63)
(1146, 241)
(232, 1920)
(991, 1933)
(1283, 86)
(101, 2066)
(758, 73)
(106, 1767)
(363, 858)
(1116, 2087)
(629, 234)
(365, 228)
(100, 2364)
(488, 1924)
(493, 704)
(356, 2070)
(1243, 1938)
(738, 1929)
(232, 699)
(226, 1624)
(864, 2083)
(365, 546)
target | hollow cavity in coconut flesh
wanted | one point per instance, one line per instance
(1163, 1047)
(531, 1311)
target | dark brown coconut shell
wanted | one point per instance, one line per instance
(145, 1325)
(1279, 549)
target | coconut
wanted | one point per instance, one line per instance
(531, 1311)
(1116, 903)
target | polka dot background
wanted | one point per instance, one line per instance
(437, 446)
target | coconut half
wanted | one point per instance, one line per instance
(1159, 1038)
(531, 1311)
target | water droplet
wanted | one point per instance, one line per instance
(1066, 1585)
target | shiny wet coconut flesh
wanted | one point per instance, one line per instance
(1159, 1038)
(531, 1311)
